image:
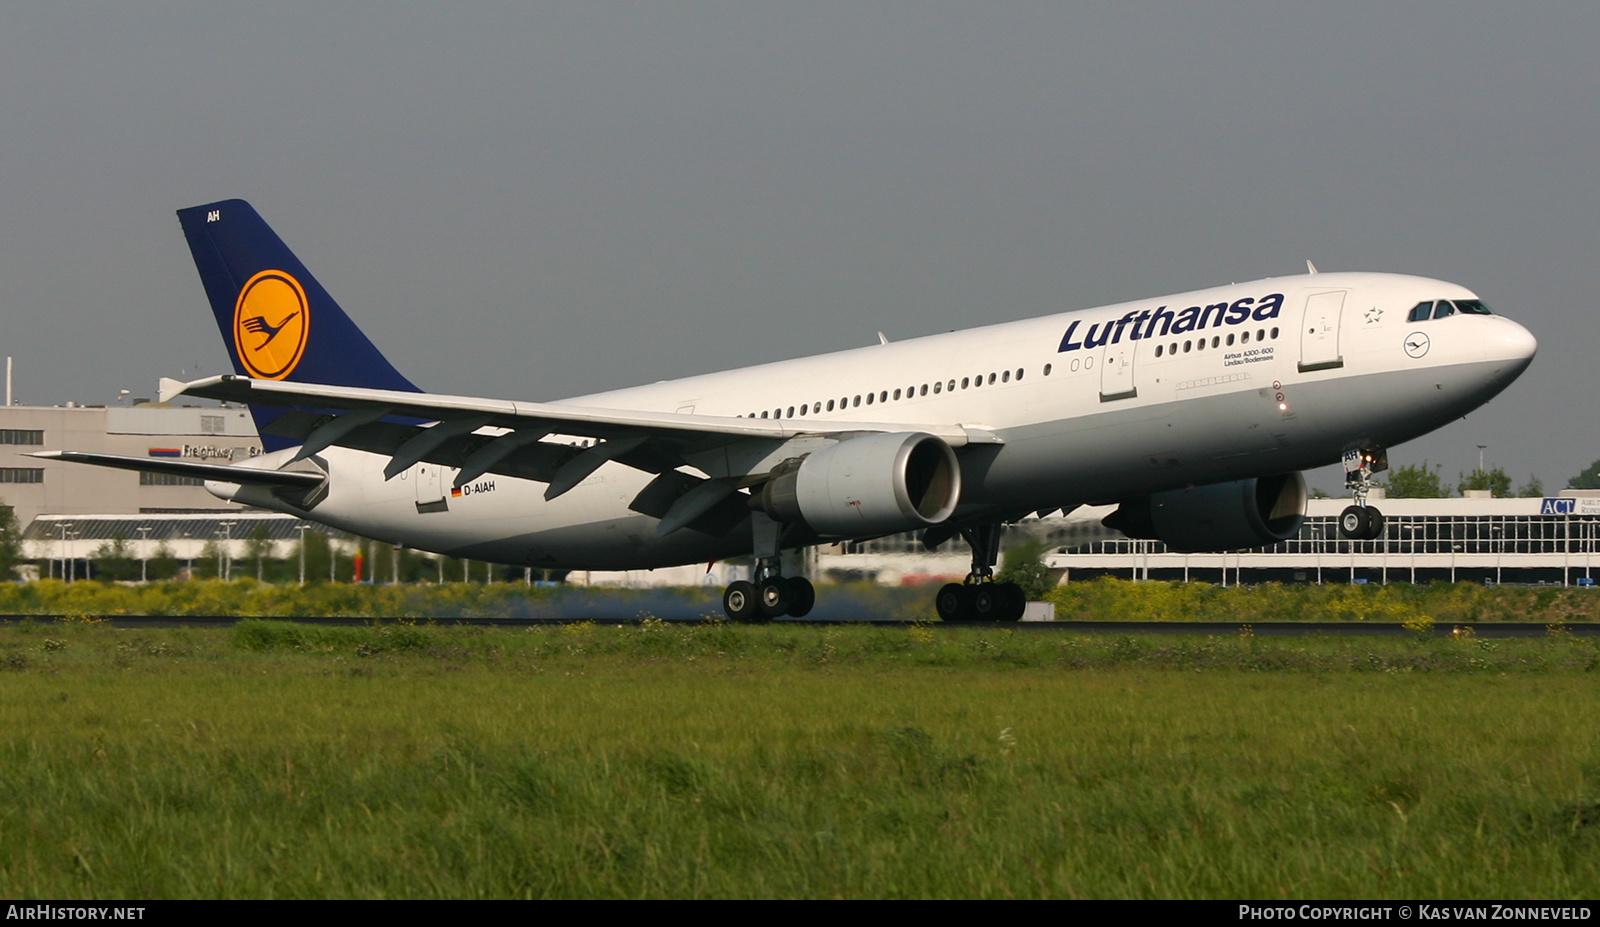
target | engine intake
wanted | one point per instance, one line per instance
(875, 484)
(1223, 516)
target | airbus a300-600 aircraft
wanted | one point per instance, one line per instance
(1193, 413)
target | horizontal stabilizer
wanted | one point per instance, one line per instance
(225, 473)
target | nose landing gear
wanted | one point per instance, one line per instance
(1362, 522)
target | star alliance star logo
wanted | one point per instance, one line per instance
(1373, 315)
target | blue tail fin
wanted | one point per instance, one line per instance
(277, 321)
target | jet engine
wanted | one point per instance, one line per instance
(874, 484)
(1223, 516)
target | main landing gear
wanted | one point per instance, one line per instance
(1362, 522)
(770, 596)
(979, 597)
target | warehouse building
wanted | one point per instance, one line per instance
(32, 487)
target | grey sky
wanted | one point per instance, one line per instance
(538, 200)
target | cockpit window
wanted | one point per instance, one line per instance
(1438, 309)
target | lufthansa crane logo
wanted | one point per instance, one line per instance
(1416, 344)
(270, 324)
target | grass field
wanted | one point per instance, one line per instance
(278, 760)
(1444, 603)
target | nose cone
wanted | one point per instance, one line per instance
(1505, 340)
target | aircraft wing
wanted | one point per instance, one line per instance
(476, 436)
(557, 417)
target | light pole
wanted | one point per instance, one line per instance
(225, 552)
(302, 528)
(144, 554)
(1480, 457)
(66, 560)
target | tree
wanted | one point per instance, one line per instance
(1588, 479)
(1024, 565)
(1417, 482)
(1533, 487)
(10, 542)
(317, 553)
(207, 565)
(259, 546)
(1497, 481)
(113, 562)
(164, 565)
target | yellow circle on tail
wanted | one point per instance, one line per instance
(270, 323)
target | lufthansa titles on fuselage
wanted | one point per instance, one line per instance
(1138, 324)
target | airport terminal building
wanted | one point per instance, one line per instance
(1552, 540)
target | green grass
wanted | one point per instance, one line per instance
(1099, 599)
(276, 760)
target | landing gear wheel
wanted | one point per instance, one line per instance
(952, 602)
(804, 596)
(1374, 524)
(739, 601)
(987, 602)
(776, 596)
(1353, 523)
(1013, 601)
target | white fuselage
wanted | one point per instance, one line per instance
(1088, 407)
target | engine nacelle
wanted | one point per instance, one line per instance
(1222, 516)
(875, 484)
